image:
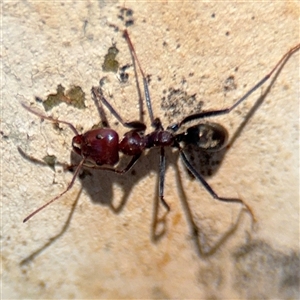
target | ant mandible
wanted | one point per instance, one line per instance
(99, 148)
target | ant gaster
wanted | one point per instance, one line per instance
(99, 148)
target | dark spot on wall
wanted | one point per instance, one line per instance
(262, 272)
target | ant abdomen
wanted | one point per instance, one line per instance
(207, 136)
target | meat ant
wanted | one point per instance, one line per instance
(99, 148)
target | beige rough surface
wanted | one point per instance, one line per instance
(106, 255)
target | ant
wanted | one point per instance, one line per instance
(100, 148)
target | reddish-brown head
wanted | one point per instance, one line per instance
(98, 145)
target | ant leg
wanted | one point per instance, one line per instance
(159, 220)
(49, 118)
(145, 83)
(98, 94)
(123, 171)
(162, 172)
(210, 190)
(212, 113)
(95, 96)
(57, 197)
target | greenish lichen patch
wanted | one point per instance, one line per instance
(74, 97)
(50, 160)
(110, 63)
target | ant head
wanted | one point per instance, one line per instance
(99, 146)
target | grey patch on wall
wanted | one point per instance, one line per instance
(262, 272)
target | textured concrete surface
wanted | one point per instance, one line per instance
(215, 51)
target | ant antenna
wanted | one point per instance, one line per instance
(76, 171)
(49, 118)
(146, 89)
(57, 197)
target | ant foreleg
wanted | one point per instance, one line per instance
(210, 190)
(98, 94)
(97, 100)
(145, 83)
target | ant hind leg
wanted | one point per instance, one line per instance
(211, 191)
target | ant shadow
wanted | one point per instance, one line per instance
(53, 239)
(99, 185)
